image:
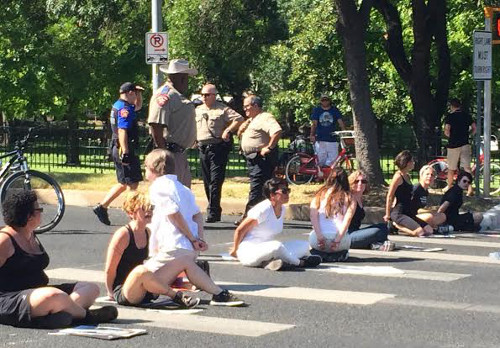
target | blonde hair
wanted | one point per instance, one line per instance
(339, 197)
(424, 168)
(354, 175)
(160, 162)
(134, 201)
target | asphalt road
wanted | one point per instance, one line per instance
(396, 299)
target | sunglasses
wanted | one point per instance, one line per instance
(207, 94)
(465, 181)
(361, 181)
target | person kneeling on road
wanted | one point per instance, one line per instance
(26, 299)
(177, 225)
(254, 245)
(452, 201)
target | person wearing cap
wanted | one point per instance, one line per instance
(325, 118)
(125, 142)
(215, 125)
(172, 116)
(259, 136)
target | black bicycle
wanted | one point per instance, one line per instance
(15, 175)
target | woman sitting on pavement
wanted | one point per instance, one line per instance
(26, 299)
(419, 200)
(452, 201)
(331, 212)
(401, 188)
(373, 236)
(254, 242)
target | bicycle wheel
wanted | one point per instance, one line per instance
(494, 179)
(298, 169)
(441, 169)
(50, 196)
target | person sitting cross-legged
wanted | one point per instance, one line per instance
(26, 298)
(254, 243)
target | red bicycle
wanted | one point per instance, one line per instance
(440, 165)
(302, 168)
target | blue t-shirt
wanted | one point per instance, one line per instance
(327, 123)
(123, 116)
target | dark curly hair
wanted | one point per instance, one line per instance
(18, 207)
(272, 185)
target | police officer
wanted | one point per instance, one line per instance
(125, 140)
(215, 125)
(172, 116)
(259, 139)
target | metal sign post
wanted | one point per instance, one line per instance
(482, 71)
(156, 23)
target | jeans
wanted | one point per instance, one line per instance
(365, 237)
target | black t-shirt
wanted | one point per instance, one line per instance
(459, 122)
(418, 198)
(358, 216)
(455, 196)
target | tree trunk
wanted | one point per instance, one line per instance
(352, 26)
(73, 149)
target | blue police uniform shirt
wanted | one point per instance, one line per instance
(123, 116)
(327, 123)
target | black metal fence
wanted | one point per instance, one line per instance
(59, 148)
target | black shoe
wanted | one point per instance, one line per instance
(225, 298)
(310, 261)
(100, 315)
(102, 214)
(53, 321)
(212, 219)
(204, 265)
(185, 301)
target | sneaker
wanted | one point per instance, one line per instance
(102, 214)
(310, 261)
(387, 246)
(444, 229)
(100, 315)
(53, 321)
(225, 298)
(274, 265)
(185, 301)
(344, 255)
(204, 265)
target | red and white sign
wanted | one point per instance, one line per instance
(156, 48)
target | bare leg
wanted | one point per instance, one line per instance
(433, 219)
(141, 280)
(116, 191)
(201, 280)
(44, 301)
(451, 174)
(427, 230)
(84, 294)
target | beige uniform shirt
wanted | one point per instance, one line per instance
(176, 113)
(259, 132)
(211, 122)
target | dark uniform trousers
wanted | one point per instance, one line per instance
(260, 169)
(213, 160)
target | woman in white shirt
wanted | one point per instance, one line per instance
(331, 212)
(254, 242)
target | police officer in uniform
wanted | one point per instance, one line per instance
(259, 139)
(172, 116)
(215, 125)
(125, 141)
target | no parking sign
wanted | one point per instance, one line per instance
(156, 48)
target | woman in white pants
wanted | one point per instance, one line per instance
(254, 243)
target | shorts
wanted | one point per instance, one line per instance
(411, 222)
(462, 154)
(130, 174)
(159, 260)
(15, 309)
(122, 300)
(463, 222)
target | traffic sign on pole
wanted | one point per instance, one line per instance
(482, 67)
(156, 48)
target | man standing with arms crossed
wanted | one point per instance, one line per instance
(325, 118)
(259, 142)
(215, 125)
(458, 125)
(172, 116)
(125, 141)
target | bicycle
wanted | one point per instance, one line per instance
(302, 168)
(440, 166)
(16, 175)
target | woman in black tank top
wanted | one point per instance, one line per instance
(26, 299)
(398, 207)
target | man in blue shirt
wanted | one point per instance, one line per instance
(325, 118)
(125, 140)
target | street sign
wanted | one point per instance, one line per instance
(482, 66)
(156, 48)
